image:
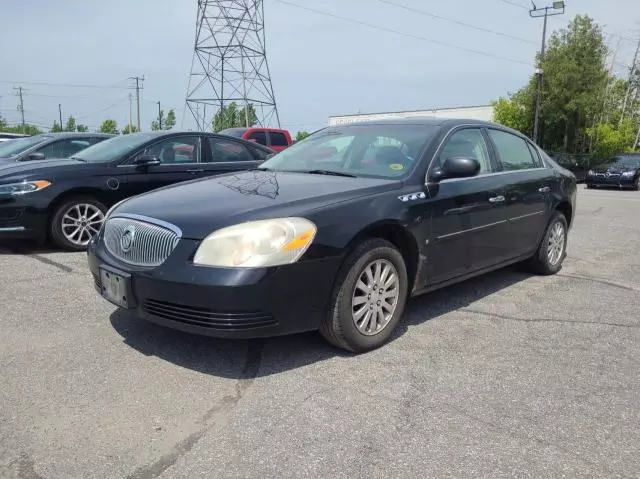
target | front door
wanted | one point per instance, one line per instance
(468, 217)
(180, 160)
(528, 187)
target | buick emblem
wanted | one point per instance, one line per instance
(607, 174)
(127, 238)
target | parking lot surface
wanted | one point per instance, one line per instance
(506, 375)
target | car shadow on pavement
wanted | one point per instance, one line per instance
(28, 247)
(222, 357)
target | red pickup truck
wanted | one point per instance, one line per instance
(273, 138)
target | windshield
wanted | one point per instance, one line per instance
(11, 148)
(237, 132)
(632, 161)
(377, 151)
(110, 150)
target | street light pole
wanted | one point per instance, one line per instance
(556, 9)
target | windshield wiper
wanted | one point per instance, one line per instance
(77, 159)
(329, 172)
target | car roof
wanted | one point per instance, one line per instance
(73, 134)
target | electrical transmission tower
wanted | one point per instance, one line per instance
(230, 63)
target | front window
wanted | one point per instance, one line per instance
(19, 145)
(377, 151)
(629, 161)
(113, 148)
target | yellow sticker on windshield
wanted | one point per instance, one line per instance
(396, 166)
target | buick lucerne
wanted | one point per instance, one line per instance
(337, 231)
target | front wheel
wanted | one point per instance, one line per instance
(76, 221)
(552, 249)
(368, 299)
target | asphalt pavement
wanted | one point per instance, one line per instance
(507, 375)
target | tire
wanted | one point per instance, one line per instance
(72, 208)
(339, 326)
(543, 262)
(636, 185)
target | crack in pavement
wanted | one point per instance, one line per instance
(210, 418)
(546, 320)
(51, 262)
(601, 281)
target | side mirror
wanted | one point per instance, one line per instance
(457, 168)
(147, 160)
(34, 156)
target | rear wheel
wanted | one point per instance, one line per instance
(76, 221)
(552, 249)
(636, 185)
(368, 299)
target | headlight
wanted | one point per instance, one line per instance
(590, 173)
(23, 187)
(628, 173)
(257, 244)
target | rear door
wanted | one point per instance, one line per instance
(180, 160)
(225, 155)
(468, 217)
(277, 140)
(257, 135)
(528, 189)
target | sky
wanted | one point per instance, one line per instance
(80, 54)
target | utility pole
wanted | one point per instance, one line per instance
(21, 108)
(138, 80)
(557, 8)
(60, 112)
(632, 70)
(130, 124)
(159, 115)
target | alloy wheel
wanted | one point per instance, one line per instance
(81, 222)
(375, 297)
(555, 246)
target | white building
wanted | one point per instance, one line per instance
(482, 112)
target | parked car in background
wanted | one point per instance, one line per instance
(578, 164)
(67, 199)
(48, 145)
(621, 171)
(10, 136)
(337, 231)
(273, 138)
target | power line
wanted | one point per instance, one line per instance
(457, 22)
(408, 35)
(66, 85)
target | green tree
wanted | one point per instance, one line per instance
(129, 129)
(301, 135)
(613, 138)
(71, 124)
(170, 122)
(109, 126)
(155, 124)
(82, 128)
(231, 117)
(27, 130)
(55, 128)
(3, 123)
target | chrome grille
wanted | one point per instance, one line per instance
(138, 242)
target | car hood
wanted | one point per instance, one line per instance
(18, 170)
(200, 207)
(613, 168)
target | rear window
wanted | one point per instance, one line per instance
(278, 139)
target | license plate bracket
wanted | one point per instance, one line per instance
(116, 287)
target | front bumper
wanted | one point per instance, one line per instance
(20, 220)
(221, 302)
(610, 181)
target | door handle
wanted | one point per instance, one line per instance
(544, 189)
(496, 199)
(195, 171)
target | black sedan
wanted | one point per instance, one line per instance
(49, 145)
(337, 231)
(67, 199)
(622, 171)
